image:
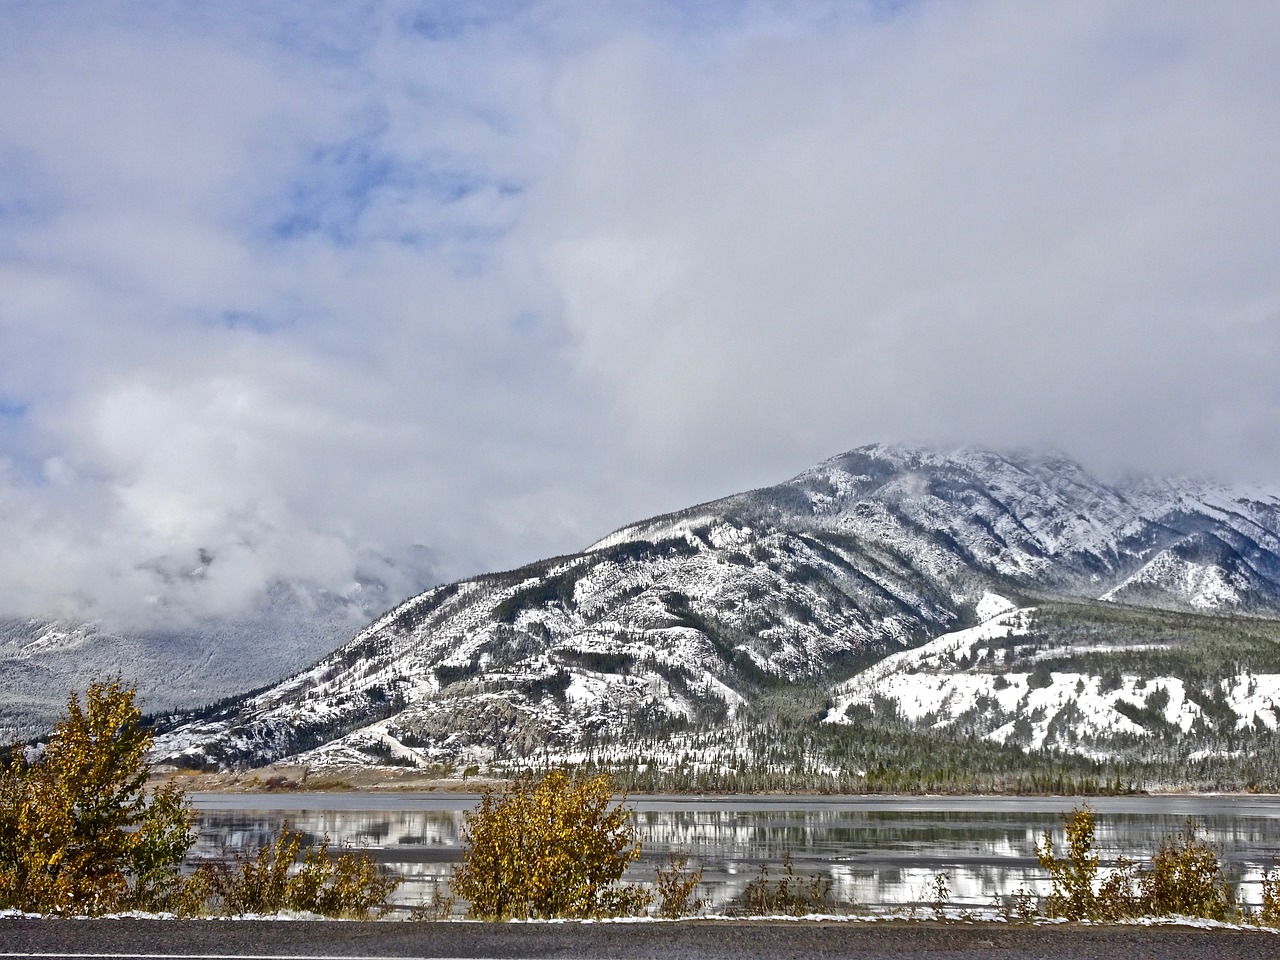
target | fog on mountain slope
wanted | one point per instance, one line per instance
(194, 661)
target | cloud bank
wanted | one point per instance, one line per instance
(284, 289)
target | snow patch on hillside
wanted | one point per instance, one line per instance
(957, 678)
(907, 671)
(1200, 585)
(993, 605)
(1255, 698)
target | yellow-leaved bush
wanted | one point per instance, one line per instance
(554, 848)
(1185, 878)
(282, 874)
(80, 834)
(79, 831)
(1073, 874)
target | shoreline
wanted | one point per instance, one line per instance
(286, 779)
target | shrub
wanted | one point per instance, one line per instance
(1073, 875)
(1186, 879)
(273, 879)
(348, 885)
(1270, 913)
(1120, 895)
(160, 843)
(555, 848)
(789, 895)
(676, 884)
(941, 895)
(79, 833)
(1018, 907)
(253, 882)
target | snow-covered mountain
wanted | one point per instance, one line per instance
(685, 622)
(197, 661)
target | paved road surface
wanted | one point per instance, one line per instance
(225, 939)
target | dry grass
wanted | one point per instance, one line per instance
(294, 778)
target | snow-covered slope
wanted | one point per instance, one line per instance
(1000, 681)
(683, 620)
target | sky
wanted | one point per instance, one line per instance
(287, 288)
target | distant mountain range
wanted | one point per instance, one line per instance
(1007, 603)
(200, 662)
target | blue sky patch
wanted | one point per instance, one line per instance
(25, 192)
(355, 191)
(441, 20)
(251, 321)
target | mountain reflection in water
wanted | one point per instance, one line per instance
(880, 853)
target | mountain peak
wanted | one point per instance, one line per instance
(680, 621)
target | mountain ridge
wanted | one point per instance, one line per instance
(685, 621)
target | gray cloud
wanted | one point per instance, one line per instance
(296, 289)
(978, 222)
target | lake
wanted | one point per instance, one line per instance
(880, 852)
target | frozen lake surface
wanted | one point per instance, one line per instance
(880, 852)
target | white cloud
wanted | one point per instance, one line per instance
(980, 221)
(294, 286)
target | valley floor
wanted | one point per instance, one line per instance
(290, 778)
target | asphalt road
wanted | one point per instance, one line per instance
(703, 940)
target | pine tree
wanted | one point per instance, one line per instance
(79, 832)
